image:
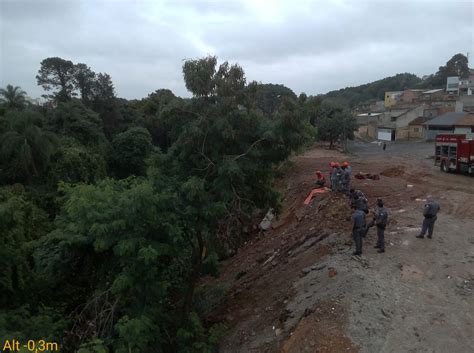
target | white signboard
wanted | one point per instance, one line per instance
(384, 135)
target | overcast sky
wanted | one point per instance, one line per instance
(310, 46)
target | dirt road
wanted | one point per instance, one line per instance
(297, 288)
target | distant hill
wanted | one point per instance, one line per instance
(360, 95)
(354, 96)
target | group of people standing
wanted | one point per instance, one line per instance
(359, 206)
(340, 177)
(341, 181)
(360, 228)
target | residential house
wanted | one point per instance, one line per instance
(445, 124)
(466, 85)
(452, 85)
(465, 125)
(367, 124)
(411, 95)
(392, 98)
(433, 95)
(416, 128)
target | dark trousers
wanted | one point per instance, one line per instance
(428, 225)
(357, 235)
(381, 237)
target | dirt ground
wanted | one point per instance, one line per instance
(297, 288)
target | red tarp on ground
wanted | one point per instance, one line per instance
(313, 192)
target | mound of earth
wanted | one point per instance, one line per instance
(393, 172)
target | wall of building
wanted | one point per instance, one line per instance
(403, 120)
(367, 131)
(437, 96)
(463, 129)
(401, 134)
(467, 101)
(416, 132)
(410, 96)
(431, 132)
(391, 98)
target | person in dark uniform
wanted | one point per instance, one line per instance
(353, 194)
(332, 176)
(380, 220)
(346, 177)
(358, 229)
(430, 212)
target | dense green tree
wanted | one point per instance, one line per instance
(130, 151)
(269, 97)
(85, 81)
(21, 222)
(156, 101)
(120, 246)
(26, 147)
(456, 66)
(229, 80)
(74, 163)
(199, 76)
(103, 88)
(75, 120)
(57, 74)
(336, 123)
(13, 97)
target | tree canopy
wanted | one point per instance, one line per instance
(13, 97)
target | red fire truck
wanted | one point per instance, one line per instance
(455, 153)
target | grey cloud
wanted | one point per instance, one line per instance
(310, 46)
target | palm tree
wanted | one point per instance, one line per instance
(13, 97)
(25, 148)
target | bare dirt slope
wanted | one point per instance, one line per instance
(297, 288)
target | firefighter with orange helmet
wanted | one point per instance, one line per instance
(320, 179)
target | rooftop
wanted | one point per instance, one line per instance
(467, 120)
(418, 121)
(447, 119)
(431, 91)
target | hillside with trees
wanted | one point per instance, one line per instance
(359, 95)
(111, 211)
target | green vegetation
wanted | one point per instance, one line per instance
(112, 210)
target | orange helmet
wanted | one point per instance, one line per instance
(318, 172)
(345, 164)
(336, 164)
(332, 164)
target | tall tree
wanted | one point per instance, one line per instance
(229, 80)
(130, 149)
(84, 81)
(57, 74)
(26, 148)
(13, 97)
(199, 76)
(103, 88)
(335, 123)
